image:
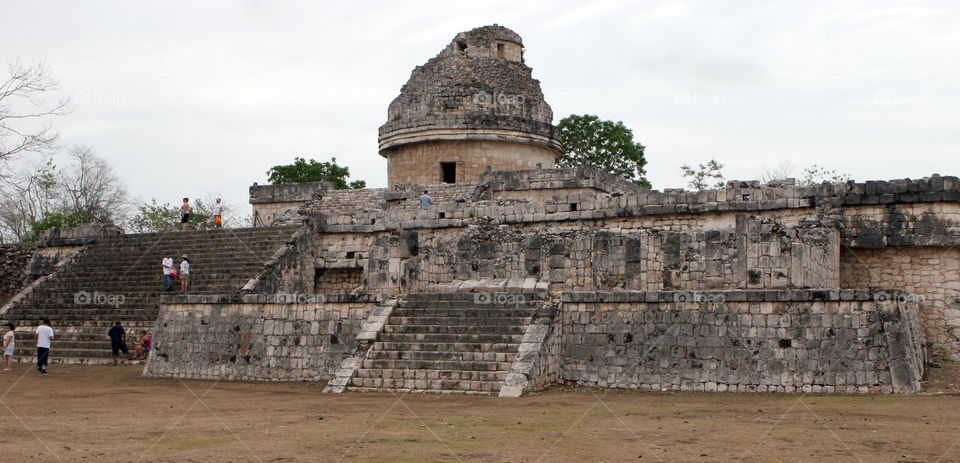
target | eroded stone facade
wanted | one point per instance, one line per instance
(522, 275)
(474, 105)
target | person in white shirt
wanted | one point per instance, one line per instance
(184, 273)
(9, 344)
(43, 336)
(217, 211)
(167, 269)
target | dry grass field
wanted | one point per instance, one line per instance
(103, 413)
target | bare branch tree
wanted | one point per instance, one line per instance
(40, 195)
(25, 113)
(90, 187)
(26, 196)
(783, 170)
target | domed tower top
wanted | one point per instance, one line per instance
(474, 105)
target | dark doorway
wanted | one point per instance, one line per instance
(449, 171)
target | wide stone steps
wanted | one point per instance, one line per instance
(454, 329)
(222, 261)
(448, 346)
(451, 337)
(478, 356)
(446, 343)
(458, 315)
(448, 365)
(431, 386)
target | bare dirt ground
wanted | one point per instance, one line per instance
(103, 413)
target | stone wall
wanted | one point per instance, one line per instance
(338, 280)
(77, 236)
(265, 214)
(14, 259)
(759, 253)
(771, 255)
(744, 341)
(258, 338)
(420, 162)
(929, 276)
(289, 269)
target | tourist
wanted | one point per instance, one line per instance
(425, 200)
(9, 345)
(217, 211)
(167, 272)
(43, 336)
(143, 347)
(118, 341)
(184, 273)
(185, 214)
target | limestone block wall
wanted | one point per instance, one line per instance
(770, 255)
(264, 214)
(338, 280)
(901, 224)
(761, 253)
(743, 341)
(290, 269)
(13, 269)
(258, 338)
(420, 162)
(929, 276)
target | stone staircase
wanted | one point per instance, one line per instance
(120, 278)
(445, 343)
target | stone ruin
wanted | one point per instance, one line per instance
(521, 275)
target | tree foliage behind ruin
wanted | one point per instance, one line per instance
(302, 171)
(606, 145)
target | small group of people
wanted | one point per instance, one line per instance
(43, 335)
(170, 272)
(185, 214)
(118, 343)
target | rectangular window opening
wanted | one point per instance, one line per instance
(449, 172)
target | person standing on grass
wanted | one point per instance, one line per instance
(185, 214)
(184, 273)
(167, 270)
(118, 341)
(9, 345)
(43, 336)
(217, 211)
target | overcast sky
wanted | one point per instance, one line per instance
(201, 98)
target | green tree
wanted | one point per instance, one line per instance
(700, 178)
(153, 217)
(606, 145)
(57, 219)
(302, 171)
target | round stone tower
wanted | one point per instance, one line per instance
(473, 105)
